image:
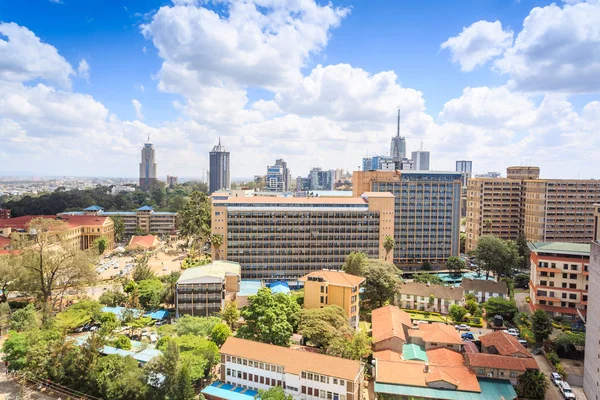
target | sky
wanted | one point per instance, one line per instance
(84, 83)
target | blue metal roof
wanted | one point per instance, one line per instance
(279, 287)
(229, 392)
(143, 356)
(145, 208)
(160, 314)
(93, 208)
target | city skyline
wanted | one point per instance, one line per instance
(61, 113)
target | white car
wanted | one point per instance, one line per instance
(462, 327)
(512, 332)
(566, 391)
(556, 378)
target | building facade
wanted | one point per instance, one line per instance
(484, 290)
(285, 238)
(220, 178)
(421, 159)
(327, 288)
(171, 180)
(148, 167)
(466, 169)
(416, 296)
(319, 179)
(426, 213)
(4, 213)
(591, 365)
(559, 279)
(303, 375)
(279, 177)
(202, 291)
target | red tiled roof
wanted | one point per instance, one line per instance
(445, 357)
(4, 242)
(337, 278)
(389, 322)
(20, 222)
(88, 220)
(480, 360)
(504, 343)
(437, 333)
(470, 347)
(387, 355)
(147, 241)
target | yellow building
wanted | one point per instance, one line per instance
(327, 288)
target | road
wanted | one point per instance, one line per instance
(522, 304)
(553, 393)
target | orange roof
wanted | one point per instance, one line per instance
(445, 357)
(437, 333)
(504, 343)
(293, 361)
(387, 355)
(7, 252)
(147, 241)
(87, 220)
(389, 322)
(300, 201)
(21, 222)
(336, 278)
(414, 374)
(502, 362)
(4, 242)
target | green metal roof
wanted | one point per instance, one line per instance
(579, 249)
(217, 269)
(414, 352)
(490, 390)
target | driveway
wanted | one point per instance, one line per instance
(522, 304)
(553, 393)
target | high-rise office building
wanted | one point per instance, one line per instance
(285, 238)
(398, 145)
(466, 169)
(427, 213)
(378, 163)
(421, 159)
(591, 365)
(148, 167)
(220, 178)
(319, 179)
(278, 178)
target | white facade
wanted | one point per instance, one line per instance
(482, 297)
(591, 366)
(415, 302)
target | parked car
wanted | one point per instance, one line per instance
(468, 336)
(556, 378)
(462, 327)
(566, 391)
(512, 331)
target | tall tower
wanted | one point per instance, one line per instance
(220, 177)
(398, 146)
(148, 167)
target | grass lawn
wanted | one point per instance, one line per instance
(429, 318)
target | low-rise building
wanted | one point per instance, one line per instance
(435, 335)
(144, 243)
(416, 296)
(202, 291)
(499, 367)
(503, 344)
(4, 213)
(303, 375)
(326, 288)
(484, 289)
(559, 279)
(389, 329)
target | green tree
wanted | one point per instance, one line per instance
(430, 302)
(355, 347)
(122, 342)
(5, 315)
(197, 326)
(568, 342)
(196, 217)
(113, 297)
(381, 284)
(109, 322)
(471, 306)
(100, 245)
(321, 325)
(463, 242)
(455, 264)
(388, 245)
(266, 321)
(533, 385)
(139, 323)
(457, 313)
(521, 281)
(497, 256)
(423, 277)
(523, 250)
(119, 228)
(151, 293)
(159, 195)
(355, 263)
(170, 282)
(11, 274)
(470, 296)
(25, 319)
(522, 319)
(220, 333)
(541, 325)
(142, 270)
(15, 350)
(230, 313)
(499, 306)
(216, 240)
(184, 386)
(78, 315)
(117, 377)
(426, 266)
(274, 393)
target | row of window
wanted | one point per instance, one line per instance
(253, 377)
(255, 364)
(322, 378)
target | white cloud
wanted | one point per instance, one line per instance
(83, 70)
(139, 88)
(138, 109)
(23, 57)
(478, 44)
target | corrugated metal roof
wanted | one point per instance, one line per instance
(413, 352)
(561, 248)
(490, 390)
(229, 392)
(216, 269)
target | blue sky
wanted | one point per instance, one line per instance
(268, 98)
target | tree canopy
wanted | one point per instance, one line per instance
(424, 277)
(541, 325)
(496, 255)
(533, 385)
(499, 306)
(196, 217)
(457, 313)
(321, 325)
(381, 284)
(355, 263)
(455, 264)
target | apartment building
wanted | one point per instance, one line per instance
(303, 375)
(484, 290)
(416, 296)
(285, 238)
(202, 291)
(545, 210)
(559, 279)
(144, 220)
(426, 213)
(326, 288)
(591, 365)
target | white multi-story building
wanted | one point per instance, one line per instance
(484, 290)
(303, 375)
(591, 366)
(415, 296)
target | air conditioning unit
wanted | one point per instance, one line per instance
(490, 375)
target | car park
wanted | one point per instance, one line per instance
(467, 336)
(462, 327)
(556, 378)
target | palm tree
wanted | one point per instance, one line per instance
(533, 385)
(216, 240)
(388, 245)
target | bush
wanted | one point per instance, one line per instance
(553, 358)
(558, 318)
(561, 370)
(122, 342)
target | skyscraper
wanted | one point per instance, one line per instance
(147, 167)
(466, 169)
(398, 146)
(275, 178)
(287, 175)
(421, 159)
(220, 177)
